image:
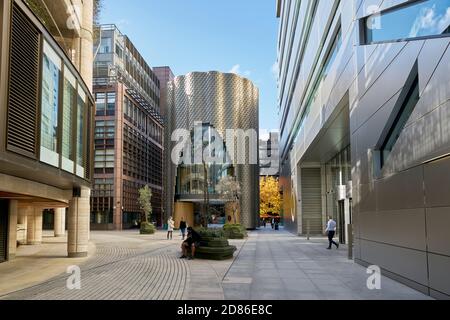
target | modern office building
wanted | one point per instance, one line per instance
(46, 121)
(364, 99)
(128, 133)
(206, 105)
(164, 75)
(269, 157)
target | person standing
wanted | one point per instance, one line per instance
(331, 230)
(170, 226)
(183, 227)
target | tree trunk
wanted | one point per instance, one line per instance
(205, 210)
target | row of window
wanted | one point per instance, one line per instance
(105, 129)
(105, 103)
(104, 158)
(142, 159)
(130, 198)
(323, 73)
(411, 20)
(64, 103)
(142, 120)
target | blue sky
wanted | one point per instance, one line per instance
(204, 35)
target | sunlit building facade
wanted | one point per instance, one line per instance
(128, 134)
(363, 97)
(46, 121)
(206, 104)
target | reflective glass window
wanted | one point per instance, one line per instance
(70, 85)
(418, 19)
(51, 73)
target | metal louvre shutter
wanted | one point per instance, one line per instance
(311, 200)
(3, 230)
(23, 85)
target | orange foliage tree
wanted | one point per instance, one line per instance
(270, 196)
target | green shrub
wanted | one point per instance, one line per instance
(234, 231)
(210, 233)
(147, 228)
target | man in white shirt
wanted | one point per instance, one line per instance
(331, 230)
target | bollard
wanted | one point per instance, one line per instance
(307, 229)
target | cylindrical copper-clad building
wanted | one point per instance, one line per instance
(222, 103)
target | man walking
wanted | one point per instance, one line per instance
(331, 230)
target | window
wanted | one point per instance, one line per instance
(119, 51)
(413, 20)
(70, 85)
(325, 70)
(106, 45)
(100, 99)
(81, 126)
(111, 103)
(51, 71)
(408, 103)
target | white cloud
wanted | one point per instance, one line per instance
(445, 21)
(274, 69)
(236, 69)
(430, 22)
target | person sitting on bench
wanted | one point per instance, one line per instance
(192, 241)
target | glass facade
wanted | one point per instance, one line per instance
(191, 177)
(68, 119)
(64, 115)
(81, 127)
(413, 20)
(51, 74)
(325, 70)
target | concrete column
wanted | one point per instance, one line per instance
(78, 225)
(60, 222)
(34, 226)
(12, 232)
(22, 220)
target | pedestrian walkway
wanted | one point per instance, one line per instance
(125, 265)
(278, 265)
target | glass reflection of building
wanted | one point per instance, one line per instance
(58, 80)
(191, 177)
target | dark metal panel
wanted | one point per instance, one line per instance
(22, 114)
(3, 230)
(311, 200)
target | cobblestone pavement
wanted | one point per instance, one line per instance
(268, 265)
(120, 271)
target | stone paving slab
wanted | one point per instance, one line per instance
(284, 266)
(269, 265)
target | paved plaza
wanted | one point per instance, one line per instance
(269, 265)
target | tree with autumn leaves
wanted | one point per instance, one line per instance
(270, 196)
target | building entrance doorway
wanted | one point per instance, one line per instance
(4, 206)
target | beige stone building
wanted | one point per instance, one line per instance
(46, 121)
